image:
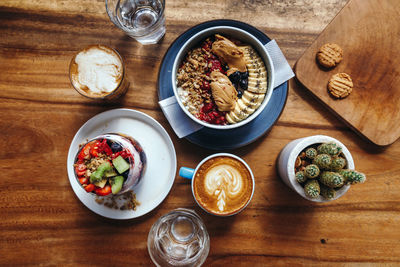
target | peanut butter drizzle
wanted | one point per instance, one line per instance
(229, 53)
(223, 92)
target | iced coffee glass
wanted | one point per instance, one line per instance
(98, 72)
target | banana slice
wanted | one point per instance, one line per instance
(257, 87)
(242, 111)
(245, 108)
(252, 100)
(230, 119)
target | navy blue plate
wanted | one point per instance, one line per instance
(233, 138)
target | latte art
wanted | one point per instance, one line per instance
(223, 185)
(223, 182)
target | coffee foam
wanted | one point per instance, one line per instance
(99, 69)
(223, 185)
(224, 182)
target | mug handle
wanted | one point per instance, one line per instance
(186, 172)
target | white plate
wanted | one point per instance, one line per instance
(160, 152)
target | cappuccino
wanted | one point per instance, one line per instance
(98, 72)
(223, 185)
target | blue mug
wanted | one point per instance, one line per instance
(190, 173)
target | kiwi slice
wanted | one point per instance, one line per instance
(120, 164)
(116, 184)
(97, 175)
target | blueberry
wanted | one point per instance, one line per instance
(235, 77)
(225, 67)
(243, 84)
(239, 94)
(115, 147)
(109, 142)
(125, 174)
(244, 75)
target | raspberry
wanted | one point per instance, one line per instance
(215, 65)
(207, 107)
(206, 85)
(216, 114)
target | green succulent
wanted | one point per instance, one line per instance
(330, 148)
(338, 163)
(323, 161)
(300, 177)
(311, 171)
(326, 174)
(327, 192)
(331, 179)
(352, 176)
(311, 153)
(312, 189)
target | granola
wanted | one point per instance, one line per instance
(222, 81)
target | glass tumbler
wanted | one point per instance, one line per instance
(178, 238)
(142, 20)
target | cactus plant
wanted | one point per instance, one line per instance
(331, 179)
(352, 177)
(338, 163)
(323, 161)
(311, 171)
(327, 192)
(312, 189)
(300, 177)
(330, 148)
(322, 171)
(311, 153)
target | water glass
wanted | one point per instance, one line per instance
(178, 238)
(142, 20)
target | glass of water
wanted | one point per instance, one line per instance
(142, 20)
(178, 238)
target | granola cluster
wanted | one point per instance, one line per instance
(193, 81)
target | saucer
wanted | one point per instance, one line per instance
(224, 139)
(160, 153)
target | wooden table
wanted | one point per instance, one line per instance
(43, 222)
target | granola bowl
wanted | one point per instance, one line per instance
(223, 77)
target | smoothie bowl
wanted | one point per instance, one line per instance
(223, 77)
(109, 164)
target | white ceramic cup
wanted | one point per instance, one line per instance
(190, 173)
(288, 157)
(241, 35)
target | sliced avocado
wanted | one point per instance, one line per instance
(97, 175)
(111, 173)
(116, 184)
(101, 184)
(120, 164)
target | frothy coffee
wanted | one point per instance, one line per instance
(223, 185)
(97, 71)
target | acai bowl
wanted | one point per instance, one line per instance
(109, 164)
(223, 77)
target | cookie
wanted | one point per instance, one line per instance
(340, 85)
(330, 55)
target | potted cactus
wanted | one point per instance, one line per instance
(319, 168)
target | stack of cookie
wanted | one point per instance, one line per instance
(329, 56)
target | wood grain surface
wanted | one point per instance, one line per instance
(43, 222)
(368, 32)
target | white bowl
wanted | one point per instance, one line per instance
(240, 35)
(288, 157)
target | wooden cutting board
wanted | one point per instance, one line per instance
(369, 33)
